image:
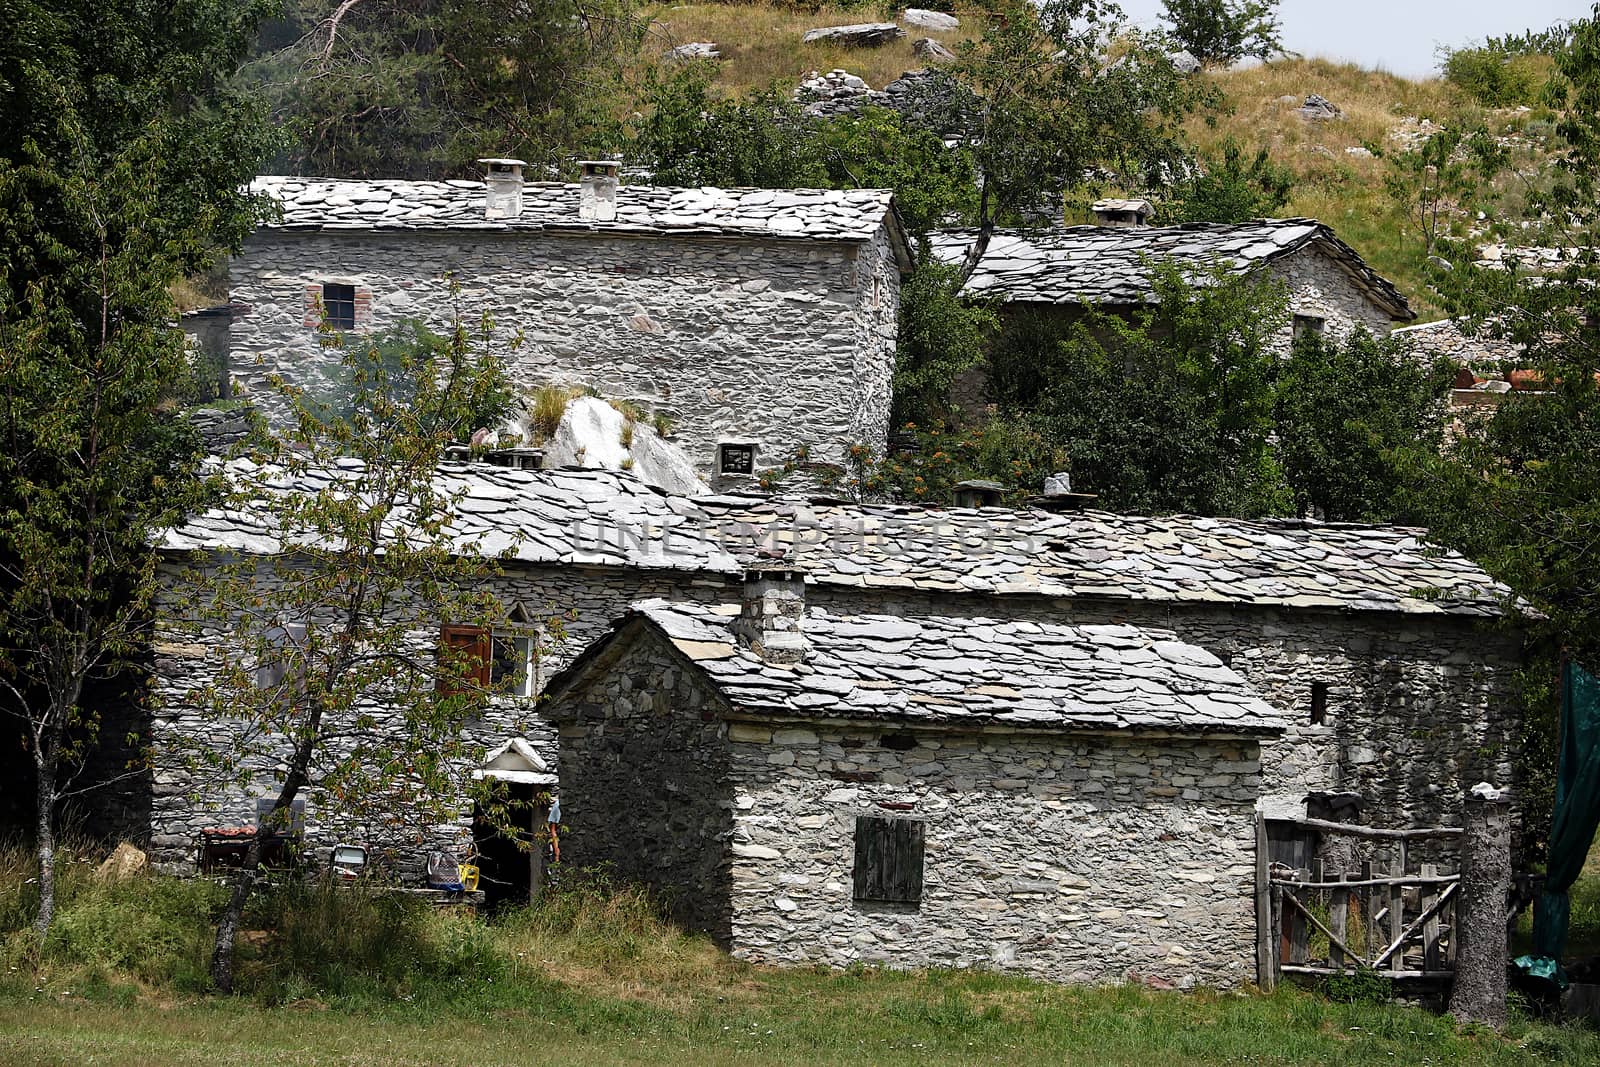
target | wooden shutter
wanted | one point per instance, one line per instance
(888, 860)
(470, 643)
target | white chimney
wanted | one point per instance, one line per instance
(504, 179)
(773, 611)
(1122, 214)
(597, 190)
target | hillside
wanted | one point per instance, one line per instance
(1338, 180)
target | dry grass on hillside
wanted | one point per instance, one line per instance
(761, 42)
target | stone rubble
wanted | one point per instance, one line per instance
(694, 50)
(1318, 109)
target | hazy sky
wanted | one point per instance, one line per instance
(1397, 35)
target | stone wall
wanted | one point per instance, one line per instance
(1419, 707)
(1320, 287)
(784, 343)
(644, 779)
(573, 606)
(1066, 857)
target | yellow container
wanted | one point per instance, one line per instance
(469, 877)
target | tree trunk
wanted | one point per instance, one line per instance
(45, 768)
(228, 925)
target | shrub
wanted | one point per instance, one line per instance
(546, 405)
(1497, 79)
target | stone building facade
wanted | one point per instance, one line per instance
(1058, 820)
(754, 317)
(1415, 686)
(1054, 272)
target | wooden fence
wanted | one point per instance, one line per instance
(1314, 920)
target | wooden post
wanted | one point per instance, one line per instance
(1369, 916)
(1479, 994)
(1397, 911)
(541, 815)
(1266, 957)
(1432, 960)
(1338, 919)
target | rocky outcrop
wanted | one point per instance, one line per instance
(864, 33)
(1184, 62)
(1318, 109)
(593, 433)
(924, 19)
(694, 50)
(932, 51)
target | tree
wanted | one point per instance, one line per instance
(394, 88)
(1344, 413)
(688, 136)
(1049, 114)
(1166, 409)
(1227, 189)
(1432, 180)
(1222, 32)
(121, 162)
(942, 334)
(338, 681)
(1519, 491)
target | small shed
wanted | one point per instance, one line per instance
(1075, 802)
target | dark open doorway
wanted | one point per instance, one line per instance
(509, 841)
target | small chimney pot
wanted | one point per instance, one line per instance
(597, 189)
(772, 613)
(1122, 214)
(504, 179)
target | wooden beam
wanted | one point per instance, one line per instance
(1313, 969)
(1363, 883)
(1376, 832)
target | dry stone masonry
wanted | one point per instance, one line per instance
(1085, 794)
(758, 316)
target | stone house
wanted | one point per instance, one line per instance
(826, 786)
(1055, 272)
(1388, 663)
(760, 320)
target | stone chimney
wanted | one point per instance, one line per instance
(504, 178)
(1122, 214)
(771, 618)
(597, 190)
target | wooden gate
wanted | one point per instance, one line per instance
(1381, 915)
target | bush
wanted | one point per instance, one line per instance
(1497, 79)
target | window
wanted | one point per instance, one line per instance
(464, 657)
(1308, 326)
(511, 669)
(888, 860)
(1319, 703)
(734, 457)
(339, 305)
(283, 650)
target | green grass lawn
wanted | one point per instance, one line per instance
(771, 1017)
(593, 974)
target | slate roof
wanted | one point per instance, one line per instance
(1177, 558)
(967, 671)
(345, 205)
(610, 518)
(1107, 265)
(560, 516)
